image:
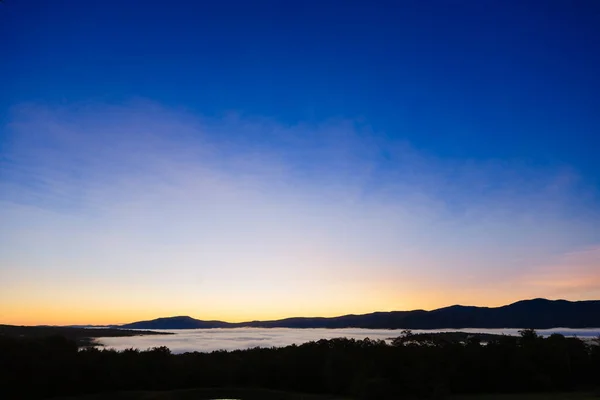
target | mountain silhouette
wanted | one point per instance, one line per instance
(179, 322)
(536, 313)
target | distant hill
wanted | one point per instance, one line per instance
(181, 322)
(536, 313)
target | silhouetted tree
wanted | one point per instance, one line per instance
(414, 366)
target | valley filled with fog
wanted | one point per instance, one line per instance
(207, 340)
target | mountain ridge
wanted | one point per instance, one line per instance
(535, 313)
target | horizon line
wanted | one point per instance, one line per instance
(313, 317)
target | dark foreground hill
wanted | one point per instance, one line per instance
(82, 336)
(262, 394)
(426, 366)
(210, 394)
(536, 313)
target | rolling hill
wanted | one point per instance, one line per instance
(536, 313)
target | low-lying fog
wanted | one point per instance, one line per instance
(207, 340)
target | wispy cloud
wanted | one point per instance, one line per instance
(573, 275)
(174, 211)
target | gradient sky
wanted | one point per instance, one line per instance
(244, 160)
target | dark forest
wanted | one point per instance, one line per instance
(412, 367)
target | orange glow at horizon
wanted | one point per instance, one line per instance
(574, 276)
(92, 314)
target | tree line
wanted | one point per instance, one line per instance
(412, 366)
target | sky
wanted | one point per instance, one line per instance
(240, 160)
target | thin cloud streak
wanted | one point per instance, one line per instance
(147, 207)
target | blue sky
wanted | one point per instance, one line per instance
(223, 159)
